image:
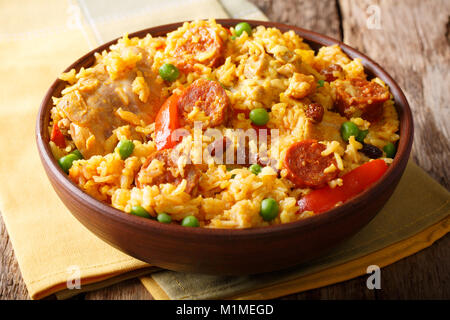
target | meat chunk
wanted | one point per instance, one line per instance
(306, 165)
(256, 65)
(92, 110)
(360, 98)
(314, 112)
(300, 86)
(209, 97)
(199, 44)
(331, 72)
(166, 171)
(326, 130)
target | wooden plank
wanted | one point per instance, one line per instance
(319, 16)
(127, 290)
(424, 275)
(11, 283)
(412, 44)
(420, 276)
(351, 289)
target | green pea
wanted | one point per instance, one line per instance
(126, 148)
(362, 135)
(269, 209)
(77, 153)
(320, 83)
(190, 221)
(390, 150)
(259, 116)
(255, 168)
(169, 72)
(66, 162)
(349, 129)
(233, 176)
(241, 27)
(140, 212)
(164, 218)
(233, 37)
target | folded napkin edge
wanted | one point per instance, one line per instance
(336, 274)
(36, 293)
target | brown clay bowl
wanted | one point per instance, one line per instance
(222, 251)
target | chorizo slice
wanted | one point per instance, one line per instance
(151, 176)
(360, 98)
(209, 97)
(331, 71)
(199, 45)
(305, 164)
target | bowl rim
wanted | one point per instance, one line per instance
(109, 212)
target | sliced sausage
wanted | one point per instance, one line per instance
(306, 165)
(191, 172)
(208, 96)
(199, 45)
(360, 98)
(314, 112)
(330, 71)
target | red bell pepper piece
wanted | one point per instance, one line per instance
(166, 123)
(354, 182)
(57, 137)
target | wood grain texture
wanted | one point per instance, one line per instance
(424, 275)
(11, 283)
(413, 45)
(127, 290)
(319, 16)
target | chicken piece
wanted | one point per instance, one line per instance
(256, 65)
(327, 129)
(92, 110)
(300, 86)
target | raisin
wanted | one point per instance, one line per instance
(314, 112)
(371, 151)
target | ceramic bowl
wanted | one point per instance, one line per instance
(223, 251)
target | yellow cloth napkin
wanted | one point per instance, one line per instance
(38, 40)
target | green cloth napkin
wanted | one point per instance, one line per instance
(418, 203)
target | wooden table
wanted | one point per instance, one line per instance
(411, 39)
